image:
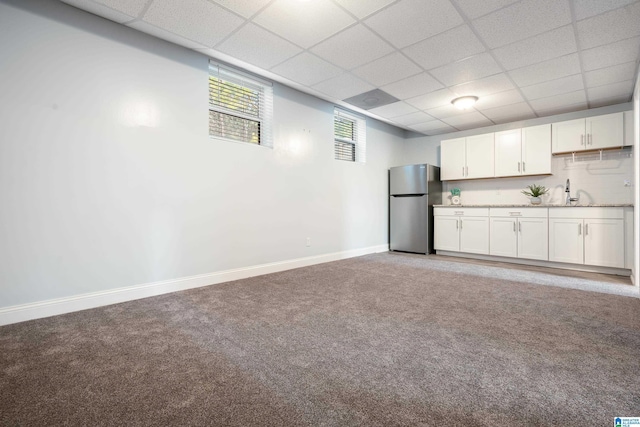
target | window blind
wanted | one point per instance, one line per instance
(349, 133)
(240, 106)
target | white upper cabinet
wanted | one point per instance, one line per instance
(453, 159)
(592, 133)
(536, 150)
(480, 158)
(508, 155)
(524, 151)
(467, 158)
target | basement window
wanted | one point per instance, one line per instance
(240, 106)
(349, 136)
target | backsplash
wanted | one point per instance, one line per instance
(593, 180)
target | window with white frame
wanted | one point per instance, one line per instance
(240, 106)
(349, 136)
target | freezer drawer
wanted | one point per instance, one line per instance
(409, 224)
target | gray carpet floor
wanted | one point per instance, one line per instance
(379, 340)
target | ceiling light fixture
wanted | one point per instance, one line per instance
(464, 102)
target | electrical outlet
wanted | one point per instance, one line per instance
(627, 183)
(308, 241)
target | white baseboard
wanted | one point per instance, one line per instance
(54, 307)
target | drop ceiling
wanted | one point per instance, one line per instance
(523, 59)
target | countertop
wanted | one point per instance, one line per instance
(592, 205)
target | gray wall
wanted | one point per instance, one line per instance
(108, 177)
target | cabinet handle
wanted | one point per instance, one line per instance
(460, 224)
(586, 229)
(520, 227)
(522, 166)
(579, 229)
(456, 224)
(514, 226)
(581, 139)
(515, 213)
(467, 170)
(463, 171)
(518, 166)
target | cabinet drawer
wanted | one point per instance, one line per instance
(460, 211)
(586, 212)
(519, 212)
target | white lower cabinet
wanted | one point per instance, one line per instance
(591, 236)
(519, 233)
(461, 230)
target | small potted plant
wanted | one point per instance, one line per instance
(535, 191)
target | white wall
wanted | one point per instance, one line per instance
(109, 179)
(593, 180)
(636, 180)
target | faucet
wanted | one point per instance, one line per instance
(568, 191)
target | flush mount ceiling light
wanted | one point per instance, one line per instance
(464, 102)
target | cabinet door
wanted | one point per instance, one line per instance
(605, 131)
(480, 156)
(452, 159)
(508, 153)
(565, 240)
(446, 233)
(503, 240)
(604, 242)
(568, 136)
(474, 235)
(536, 150)
(533, 238)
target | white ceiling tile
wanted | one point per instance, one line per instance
(412, 86)
(257, 46)
(552, 111)
(433, 127)
(609, 27)
(363, 8)
(410, 21)
(611, 54)
(466, 70)
(307, 69)
(554, 87)
(483, 87)
(353, 47)
(444, 48)
(553, 44)
(603, 102)
(246, 8)
(522, 20)
(620, 89)
(445, 111)
(474, 8)
(509, 113)
(130, 7)
(387, 70)
(394, 110)
(468, 120)
(164, 35)
(434, 99)
(413, 118)
(558, 102)
(614, 74)
(587, 8)
(343, 86)
(100, 10)
(197, 20)
(547, 70)
(441, 131)
(500, 99)
(304, 23)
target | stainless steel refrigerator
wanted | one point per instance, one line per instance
(413, 190)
